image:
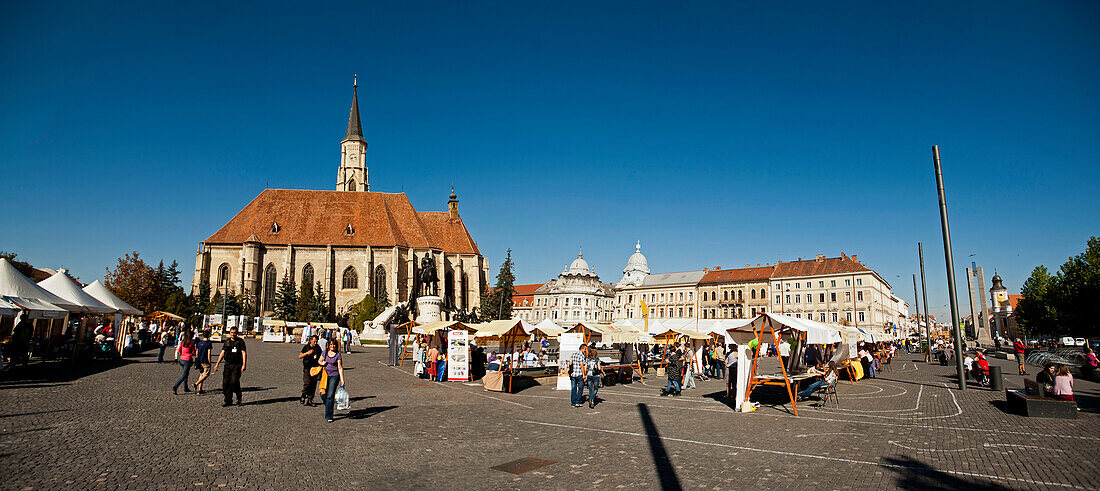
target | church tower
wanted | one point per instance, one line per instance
(352, 175)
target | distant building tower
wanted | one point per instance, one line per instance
(637, 268)
(1002, 308)
(352, 175)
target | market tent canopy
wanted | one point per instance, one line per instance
(547, 328)
(101, 293)
(433, 327)
(62, 285)
(274, 322)
(36, 309)
(508, 328)
(8, 308)
(164, 316)
(626, 334)
(816, 332)
(14, 284)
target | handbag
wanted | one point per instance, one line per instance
(315, 371)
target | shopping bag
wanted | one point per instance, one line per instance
(342, 400)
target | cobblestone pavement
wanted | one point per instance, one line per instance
(123, 428)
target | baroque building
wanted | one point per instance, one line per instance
(353, 241)
(576, 295)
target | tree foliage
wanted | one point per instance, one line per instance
(496, 303)
(286, 300)
(22, 266)
(145, 287)
(366, 310)
(1061, 303)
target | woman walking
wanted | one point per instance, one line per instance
(334, 370)
(185, 351)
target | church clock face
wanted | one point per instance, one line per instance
(353, 158)
(1001, 296)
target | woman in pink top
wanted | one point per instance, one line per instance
(1063, 384)
(185, 352)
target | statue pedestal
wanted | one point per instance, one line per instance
(430, 308)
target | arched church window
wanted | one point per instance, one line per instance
(725, 295)
(269, 287)
(307, 274)
(223, 275)
(740, 295)
(351, 279)
(763, 293)
(351, 186)
(752, 294)
(379, 285)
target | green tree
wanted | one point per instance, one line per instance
(1034, 312)
(286, 299)
(366, 310)
(497, 302)
(1060, 304)
(306, 303)
(1077, 291)
(179, 304)
(132, 280)
(22, 266)
(200, 304)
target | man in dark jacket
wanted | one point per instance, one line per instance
(674, 370)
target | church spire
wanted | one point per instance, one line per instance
(355, 126)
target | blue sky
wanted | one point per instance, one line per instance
(716, 134)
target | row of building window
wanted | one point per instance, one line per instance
(820, 284)
(797, 298)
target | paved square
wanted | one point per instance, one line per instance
(122, 428)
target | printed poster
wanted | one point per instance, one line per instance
(570, 343)
(458, 355)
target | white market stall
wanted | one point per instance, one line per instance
(805, 331)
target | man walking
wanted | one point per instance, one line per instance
(1019, 347)
(311, 356)
(578, 362)
(674, 373)
(163, 344)
(233, 352)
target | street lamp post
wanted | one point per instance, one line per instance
(950, 266)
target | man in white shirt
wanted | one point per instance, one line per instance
(784, 349)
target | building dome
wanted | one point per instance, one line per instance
(637, 261)
(579, 265)
(637, 268)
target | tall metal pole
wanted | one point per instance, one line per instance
(924, 293)
(950, 263)
(916, 302)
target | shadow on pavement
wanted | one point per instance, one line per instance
(720, 396)
(33, 413)
(916, 475)
(255, 389)
(274, 400)
(666, 472)
(368, 412)
(44, 372)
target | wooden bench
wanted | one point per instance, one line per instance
(1032, 401)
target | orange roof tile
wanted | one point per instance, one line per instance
(309, 217)
(524, 293)
(739, 274)
(813, 267)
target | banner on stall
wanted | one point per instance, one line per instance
(458, 355)
(570, 343)
(744, 369)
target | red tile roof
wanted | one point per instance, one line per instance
(308, 217)
(524, 292)
(1013, 300)
(818, 266)
(733, 275)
